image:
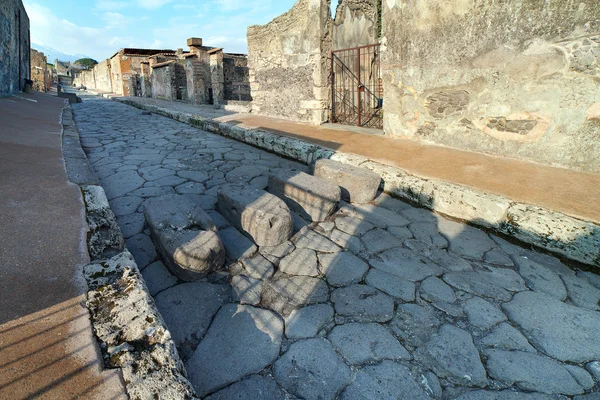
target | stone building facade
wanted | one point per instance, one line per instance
(14, 46)
(40, 73)
(521, 82)
(290, 57)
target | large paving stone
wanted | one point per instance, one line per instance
(415, 324)
(313, 198)
(451, 354)
(495, 283)
(158, 278)
(466, 240)
(121, 183)
(482, 313)
(237, 245)
(541, 279)
(582, 293)
(314, 241)
(503, 395)
(285, 293)
(311, 369)
(391, 284)
(434, 289)
(300, 262)
(387, 380)
(253, 387)
(531, 372)
(406, 264)
(379, 216)
(261, 215)
(378, 240)
(189, 308)
(125, 205)
(362, 343)
(342, 269)
(562, 331)
(358, 185)
(241, 340)
(258, 267)
(246, 290)
(505, 337)
(185, 236)
(428, 232)
(142, 248)
(306, 322)
(131, 224)
(353, 226)
(363, 303)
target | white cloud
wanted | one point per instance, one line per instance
(111, 5)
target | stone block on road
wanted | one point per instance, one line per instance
(311, 197)
(358, 185)
(263, 216)
(185, 236)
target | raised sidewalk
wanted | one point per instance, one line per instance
(552, 208)
(47, 347)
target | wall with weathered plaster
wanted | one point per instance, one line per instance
(288, 60)
(39, 71)
(14, 46)
(516, 78)
(103, 76)
(163, 81)
(355, 24)
(237, 77)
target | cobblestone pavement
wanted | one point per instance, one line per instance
(380, 301)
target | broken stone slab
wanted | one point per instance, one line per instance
(342, 269)
(311, 369)
(532, 372)
(300, 262)
(237, 245)
(263, 216)
(284, 293)
(306, 322)
(188, 310)
(388, 380)
(185, 236)
(363, 303)
(451, 354)
(366, 343)
(311, 197)
(560, 330)
(246, 290)
(241, 340)
(358, 185)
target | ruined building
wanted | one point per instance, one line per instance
(202, 75)
(514, 78)
(41, 75)
(14, 46)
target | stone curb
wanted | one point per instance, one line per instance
(132, 334)
(571, 237)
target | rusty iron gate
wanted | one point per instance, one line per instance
(356, 89)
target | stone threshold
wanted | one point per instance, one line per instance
(132, 334)
(567, 236)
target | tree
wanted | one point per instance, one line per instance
(86, 63)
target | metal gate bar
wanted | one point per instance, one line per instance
(356, 89)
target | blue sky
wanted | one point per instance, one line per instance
(98, 28)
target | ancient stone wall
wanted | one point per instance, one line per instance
(116, 75)
(39, 71)
(355, 24)
(237, 77)
(288, 60)
(163, 81)
(103, 76)
(516, 78)
(14, 46)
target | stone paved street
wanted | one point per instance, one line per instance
(380, 301)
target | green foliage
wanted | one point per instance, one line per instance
(87, 63)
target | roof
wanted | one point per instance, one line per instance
(141, 52)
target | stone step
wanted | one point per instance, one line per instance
(261, 215)
(185, 236)
(313, 198)
(359, 185)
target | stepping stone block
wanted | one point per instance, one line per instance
(185, 236)
(263, 216)
(311, 197)
(359, 185)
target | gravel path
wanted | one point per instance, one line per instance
(383, 300)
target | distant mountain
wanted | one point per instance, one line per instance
(52, 54)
